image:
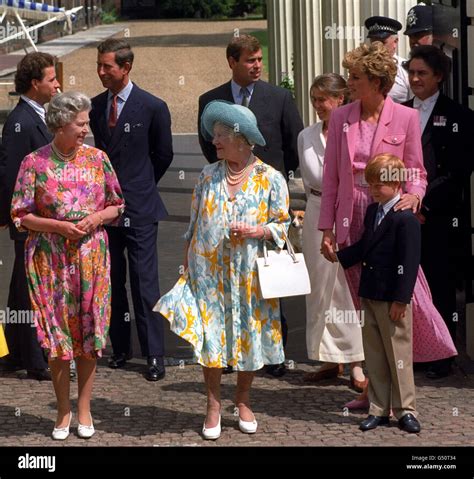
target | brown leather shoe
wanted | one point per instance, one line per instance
(359, 386)
(329, 373)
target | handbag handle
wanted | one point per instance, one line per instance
(289, 248)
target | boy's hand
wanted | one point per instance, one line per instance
(397, 311)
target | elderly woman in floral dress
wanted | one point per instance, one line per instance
(238, 203)
(64, 194)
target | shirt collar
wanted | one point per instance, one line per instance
(124, 93)
(236, 88)
(425, 104)
(36, 106)
(390, 204)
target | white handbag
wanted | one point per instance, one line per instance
(282, 273)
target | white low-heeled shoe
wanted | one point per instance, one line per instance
(212, 433)
(86, 432)
(248, 427)
(61, 433)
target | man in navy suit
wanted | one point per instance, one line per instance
(448, 148)
(24, 132)
(134, 128)
(390, 254)
(277, 117)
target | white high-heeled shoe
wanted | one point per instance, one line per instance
(61, 433)
(86, 432)
(248, 427)
(212, 433)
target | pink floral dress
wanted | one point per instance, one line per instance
(68, 280)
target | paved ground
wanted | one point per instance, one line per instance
(130, 411)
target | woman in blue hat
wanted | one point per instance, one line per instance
(238, 203)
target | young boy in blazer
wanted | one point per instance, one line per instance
(390, 254)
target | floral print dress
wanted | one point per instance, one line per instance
(68, 280)
(216, 305)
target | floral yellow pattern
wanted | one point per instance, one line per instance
(216, 305)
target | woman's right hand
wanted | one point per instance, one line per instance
(70, 230)
(328, 246)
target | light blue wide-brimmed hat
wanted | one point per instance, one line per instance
(238, 117)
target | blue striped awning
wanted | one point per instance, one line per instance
(32, 6)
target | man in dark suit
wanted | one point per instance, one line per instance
(277, 117)
(134, 128)
(24, 131)
(448, 149)
(389, 251)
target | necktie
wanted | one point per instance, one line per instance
(379, 216)
(113, 112)
(245, 97)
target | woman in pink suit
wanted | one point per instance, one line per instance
(370, 125)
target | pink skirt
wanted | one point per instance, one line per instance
(431, 338)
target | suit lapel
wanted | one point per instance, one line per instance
(40, 124)
(353, 119)
(381, 228)
(428, 131)
(102, 117)
(228, 93)
(258, 101)
(124, 122)
(383, 125)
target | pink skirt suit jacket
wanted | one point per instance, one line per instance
(398, 132)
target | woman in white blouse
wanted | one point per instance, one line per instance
(333, 333)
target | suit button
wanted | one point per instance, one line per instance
(364, 264)
(394, 140)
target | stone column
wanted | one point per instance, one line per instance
(280, 40)
(308, 41)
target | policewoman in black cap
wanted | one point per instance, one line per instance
(420, 25)
(385, 30)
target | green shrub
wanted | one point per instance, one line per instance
(288, 83)
(108, 16)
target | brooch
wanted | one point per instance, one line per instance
(260, 169)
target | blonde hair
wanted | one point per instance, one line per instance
(385, 168)
(375, 61)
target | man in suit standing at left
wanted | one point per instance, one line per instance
(134, 128)
(24, 132)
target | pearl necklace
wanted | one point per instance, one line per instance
(62, 156)
(235, 177)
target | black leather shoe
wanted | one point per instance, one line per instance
(409, 423)
(38, 374)
(227, 370)
(373, 421)
(276, 370)
(117, 361)
(155, 368)
(438, 372)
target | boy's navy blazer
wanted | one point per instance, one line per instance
(390, 256)
(140, 150)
